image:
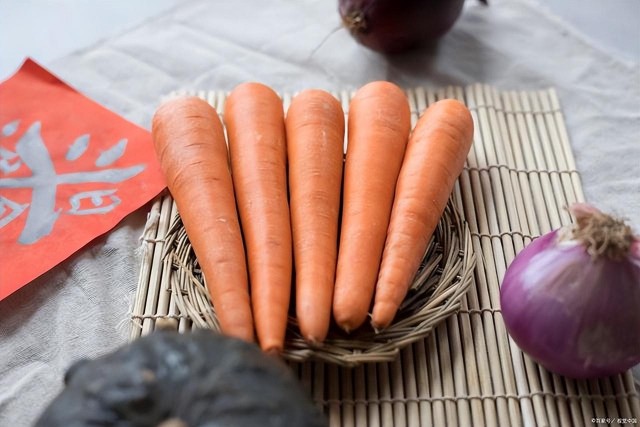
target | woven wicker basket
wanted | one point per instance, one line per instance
(444, 276)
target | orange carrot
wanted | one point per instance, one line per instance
(254, 118)
(191, 148)
(315, 137)
(378, 126)
(434, 159)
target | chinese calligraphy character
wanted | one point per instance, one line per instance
(44, 181)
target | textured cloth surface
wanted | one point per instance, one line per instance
(81, 308)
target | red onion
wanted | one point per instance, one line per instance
(392, 26)
(571, 298)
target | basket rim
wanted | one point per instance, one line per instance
(446, 282)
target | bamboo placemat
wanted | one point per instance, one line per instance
(519, 177)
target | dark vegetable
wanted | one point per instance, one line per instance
(392, 26)
(570, 299)
(171, 379)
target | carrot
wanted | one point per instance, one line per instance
(434, 159)
(254, 118)
(378, 126)
(315, 137)
(190, 144)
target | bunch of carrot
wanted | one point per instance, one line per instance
(278, 196)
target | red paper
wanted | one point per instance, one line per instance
(70, 170)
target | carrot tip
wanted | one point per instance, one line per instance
(349, 323)
(313, 342)
(311, 339)
(273, 351)
(376, 328)
(378, 325)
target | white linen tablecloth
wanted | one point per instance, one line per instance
(81, 308)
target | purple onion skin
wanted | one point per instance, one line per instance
(393, 26)
(576, 316)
